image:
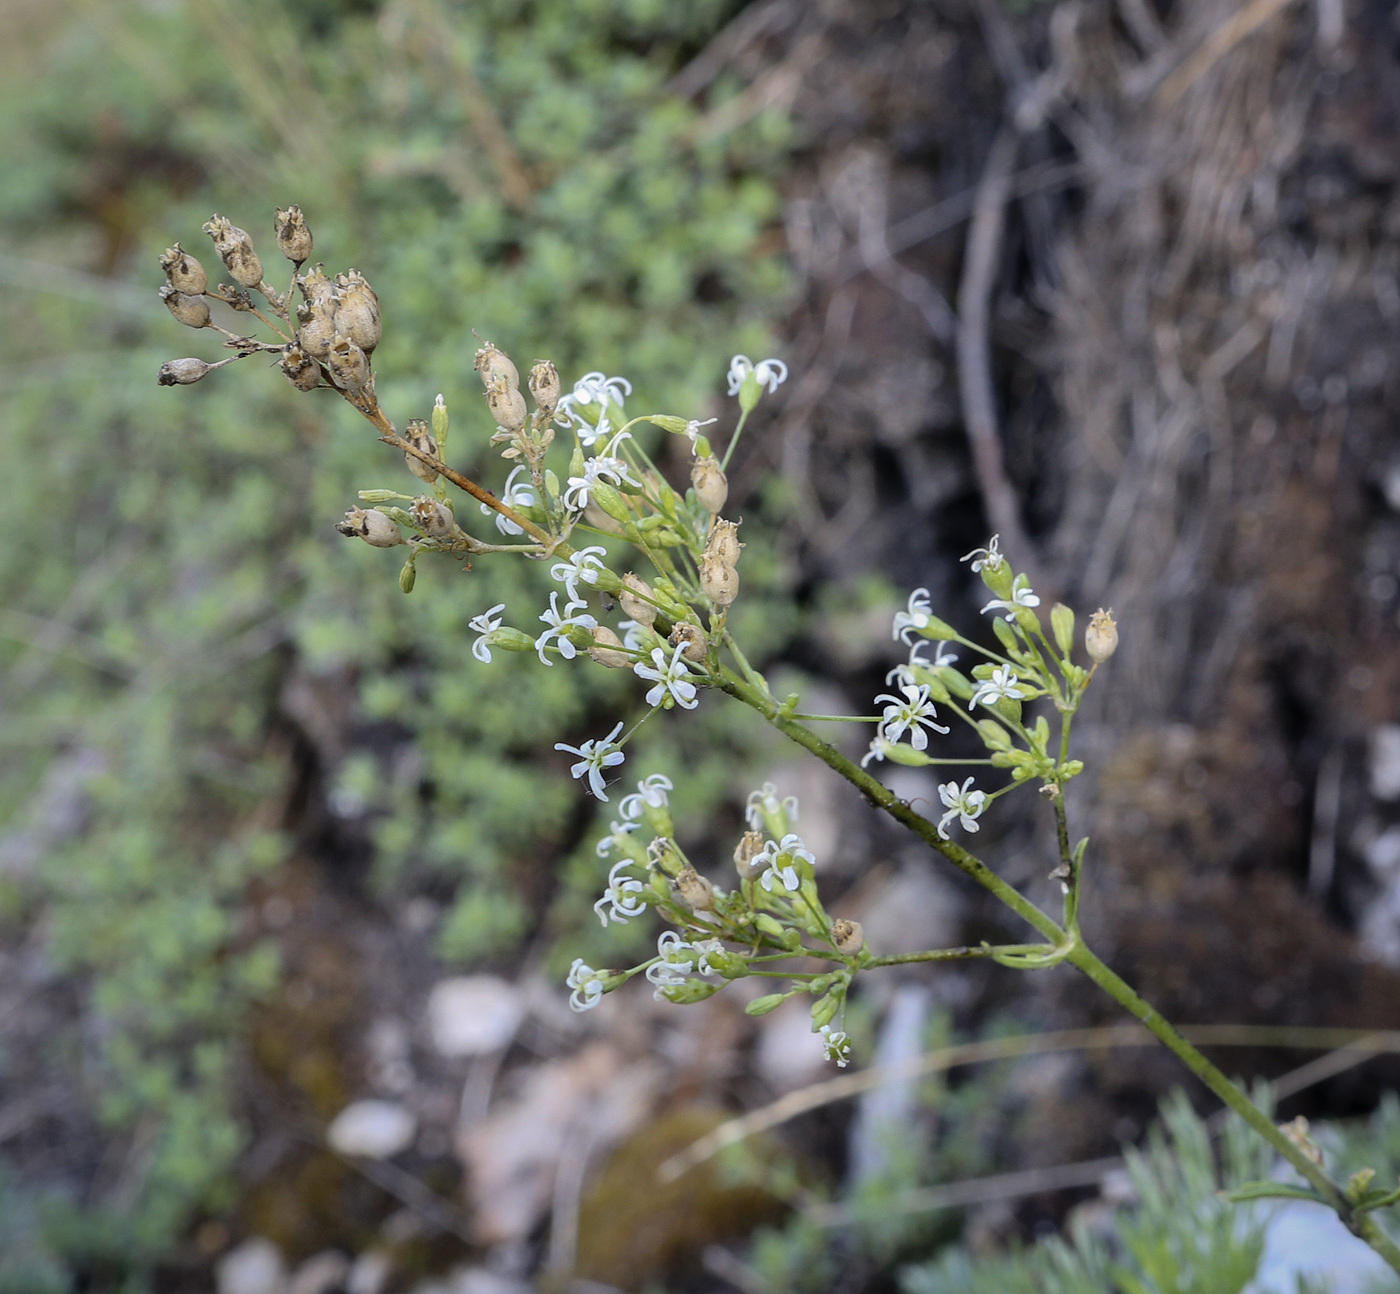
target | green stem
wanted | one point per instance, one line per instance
(734, 440)
(940, 955)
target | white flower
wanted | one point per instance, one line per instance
(902, 675)
(650, 790)
(672, 678)
(765, 801)
(603, 468)
(1021, 596)
(836, 1045)
(635, 637)
(676, 960)
(559, 626)
(583, 565)
(961, 803)
(516, 496)
(618, 897)
(706, 948)
(879, 748)
(771, 373)
(915, 713)
(587, 985)
(914, 619)
(593, 758)
(692, 430)
(615, 833)
(1001, 686)
(990, 556)
(772, 853)
(592, 388)
(486, 623)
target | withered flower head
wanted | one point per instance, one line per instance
(495, 365)
(184, 272)
(235, 249)
(293, 236)
(357, 310)
(193, 312)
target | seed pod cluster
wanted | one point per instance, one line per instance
(719, 574)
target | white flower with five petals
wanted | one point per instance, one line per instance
(559, 626)
(671, 678)
(484, 624)
(585, 565)
(1000, 687)
(520, 495)
(620, 896)
(962, 803)
(914, 713)
(651, 790)
(990, 556)
(587, 985)
(593, 757)
(1021, 596)
(902, 675)
(915, 618)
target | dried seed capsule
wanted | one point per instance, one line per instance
(633, 596)
(723, 543)
(235, 249)
(695, 891)
(607, 649)
(1101, 637)
(371, 526)
(432, 517)
(300, 369)
(418, 435)
(749, 847)
(544, 386)
(494, 365)
(184, 272)
(293, 236)
(193, 312)
(689, 638)
(710, 483)
(507, 406)
(182, 372)
(357, 311)
(848, 936)
(347, 364)
(719, 580)
(316, 328)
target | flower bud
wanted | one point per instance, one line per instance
(235, 249)
(408, 576)
(193, 312)
(418, 435)
(719, 580)
(824, 1009)
(1101, 637)
(347, 364)
(724, 543)
(1062, 625)
(184, 272)
(432, 517)
(182, 372)
(544, 386)
(440, 419)
(848, 936)
(691, 637)
(710, 484)
(371, 526)
(633, 597)
(495, 365)
(507, 405)
(768, 1002)
(695, 891)
(300, 369)
(749, 847)
(509, 639)
(693, 990)
(607, 649)
(357, 311)
(293, 236)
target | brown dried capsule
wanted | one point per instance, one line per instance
(300, 369)
(848, 936)
(710, 484)
(184, 272)
(418, 435)
(607, 649)
(235, 249)
(182, 372)
(316, 328)
(690, 639)
(293, 235)
(544, 386)
(193, 312)
(724, 543)
(357, 311)
(633, 596)
(507, 406)
(749, 847)
(1101, 637)
(494, 364)
(695, 891)
(432, 517)
(719, 580)
(371, 526)
(347, 364)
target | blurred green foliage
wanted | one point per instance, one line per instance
(513, 166)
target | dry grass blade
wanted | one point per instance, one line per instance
(1219, 43)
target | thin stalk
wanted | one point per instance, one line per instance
(734, 440)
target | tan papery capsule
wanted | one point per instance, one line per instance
(719, 580)
(193, 312)
(420, 437)
(723, 543)
(347, 364)
(184, 272)
(293, 235)
(432, 517)
(182, 372)
(1101, 637)
(235, 249)
(689, 638)
(495, 365)
(695, 891)
(607, 649)
(371, 526)
(710, 484)
(544, 386)
(848, 936)
(317, 287)
(357, 311)
(749, 847)
(632, 597)
(507, 406)
(300, 369)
